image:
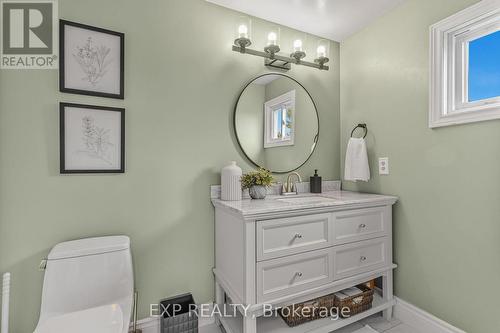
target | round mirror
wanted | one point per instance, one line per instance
(276, 123)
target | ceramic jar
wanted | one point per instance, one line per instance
(231, 182)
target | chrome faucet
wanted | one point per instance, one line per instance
(290, 187)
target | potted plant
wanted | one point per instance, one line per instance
(257, 183)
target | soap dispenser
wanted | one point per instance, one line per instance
(315, 183)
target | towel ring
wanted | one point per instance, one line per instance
(360, 126)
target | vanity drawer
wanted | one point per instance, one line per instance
(352, 259)
(286, 236)
(284, 276)
(360, 224)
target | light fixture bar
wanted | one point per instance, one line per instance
(279, 64)
(284, 62)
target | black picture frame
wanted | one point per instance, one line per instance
(62, 139)
(62, 74)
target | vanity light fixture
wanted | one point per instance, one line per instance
(243, 40)
(321, 57)
(270, 53)
(272, 44)
(298, 53)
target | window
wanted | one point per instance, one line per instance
(484, 67)
(465, 66)
(279, 121)
(282, 123)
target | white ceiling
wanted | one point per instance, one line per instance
(332, 19)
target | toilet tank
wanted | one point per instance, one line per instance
(87, 273)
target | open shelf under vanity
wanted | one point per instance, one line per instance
(275, 324)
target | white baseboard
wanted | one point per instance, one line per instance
(149, 325)
(420, 320)
(152, 324)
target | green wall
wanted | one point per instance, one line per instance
(181, 82)
(447, 221)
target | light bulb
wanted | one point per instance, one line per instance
(271, 38)
(243, 31)
(297, 45)
(321, 51)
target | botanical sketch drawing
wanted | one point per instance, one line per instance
(96, 141)
(92, 60)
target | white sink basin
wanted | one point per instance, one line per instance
(306, 200)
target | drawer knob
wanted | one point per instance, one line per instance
(363, 258)
(297, 236)
(298, 274)
(362, 226)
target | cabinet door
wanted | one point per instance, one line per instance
(286, 236)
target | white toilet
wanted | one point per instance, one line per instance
(88, 287)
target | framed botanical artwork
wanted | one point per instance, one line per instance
(91, 60)
(92, 139)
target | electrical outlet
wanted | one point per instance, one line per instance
(383, 166)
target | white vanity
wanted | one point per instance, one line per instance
(283, 250)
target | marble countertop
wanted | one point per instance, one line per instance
(276, 204)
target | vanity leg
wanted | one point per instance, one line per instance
(387, 290)
(249, 324)
(219, 301)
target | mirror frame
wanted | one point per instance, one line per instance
(316, 137)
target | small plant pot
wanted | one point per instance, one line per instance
(258, 191)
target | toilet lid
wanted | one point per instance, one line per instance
(103, 319)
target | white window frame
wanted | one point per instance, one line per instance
(449, 41)
(269, 106)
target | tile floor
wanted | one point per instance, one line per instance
(376, 322)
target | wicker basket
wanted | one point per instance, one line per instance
(294, 315)
(356, 304)
(301, 313)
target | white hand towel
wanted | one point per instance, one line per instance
(356, 161)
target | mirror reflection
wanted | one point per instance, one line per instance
(276, 123)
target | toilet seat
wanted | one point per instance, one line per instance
(102, 319)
